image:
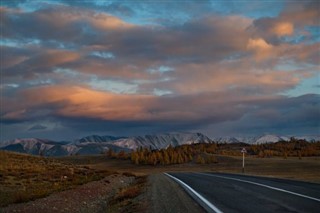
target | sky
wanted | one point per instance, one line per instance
(223, 68)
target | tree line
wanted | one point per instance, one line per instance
(197, 153)
(207, 153)
(292, 148)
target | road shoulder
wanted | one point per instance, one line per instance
(165, 195)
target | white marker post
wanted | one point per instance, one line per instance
(243, 152)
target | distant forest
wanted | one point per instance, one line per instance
(207, 153)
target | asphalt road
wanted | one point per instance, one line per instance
(241, 193)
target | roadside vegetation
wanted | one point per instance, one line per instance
(24, 177)
(129, 199)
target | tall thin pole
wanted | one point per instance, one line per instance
(243, 152)
(242, 162)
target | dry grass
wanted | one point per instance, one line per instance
(127, 193)
(24, 177)
(306, 169)
(127, 199)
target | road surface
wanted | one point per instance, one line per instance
(230, 193)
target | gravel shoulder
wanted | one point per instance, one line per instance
(165, 195)
(91, 197)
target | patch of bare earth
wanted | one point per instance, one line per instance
(165, 195)
(91, 197)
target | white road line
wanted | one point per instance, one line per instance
(210, 205)
(263, 185)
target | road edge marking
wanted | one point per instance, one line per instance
(263, 185)
(199, 196)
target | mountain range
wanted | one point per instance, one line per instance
(95, 144)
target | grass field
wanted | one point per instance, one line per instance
(306, 169)
(25, 177)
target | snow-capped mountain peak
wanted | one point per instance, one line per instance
(96, 144)
(161, 141)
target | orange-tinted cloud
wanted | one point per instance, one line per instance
(283, 28)
(82, 102)
(213, 68)
(58, 23)
(260, 47)
(293, 19)
(42, 62)
(75, 101)
(63, 17)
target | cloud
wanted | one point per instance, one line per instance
(116, 112)
(136, 49)
(75, 25)
(83, 102)
(141, 47)
(193, 78)
(75, 65)
(58, 23)
(42, 62)
(12, 56)
(108, 22)
(302, 13)
(260, 47)
(280, 115)
(283, 29)
(87, 103)
(37, 127)
(293, 19)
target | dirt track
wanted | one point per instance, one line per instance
(167, 196)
